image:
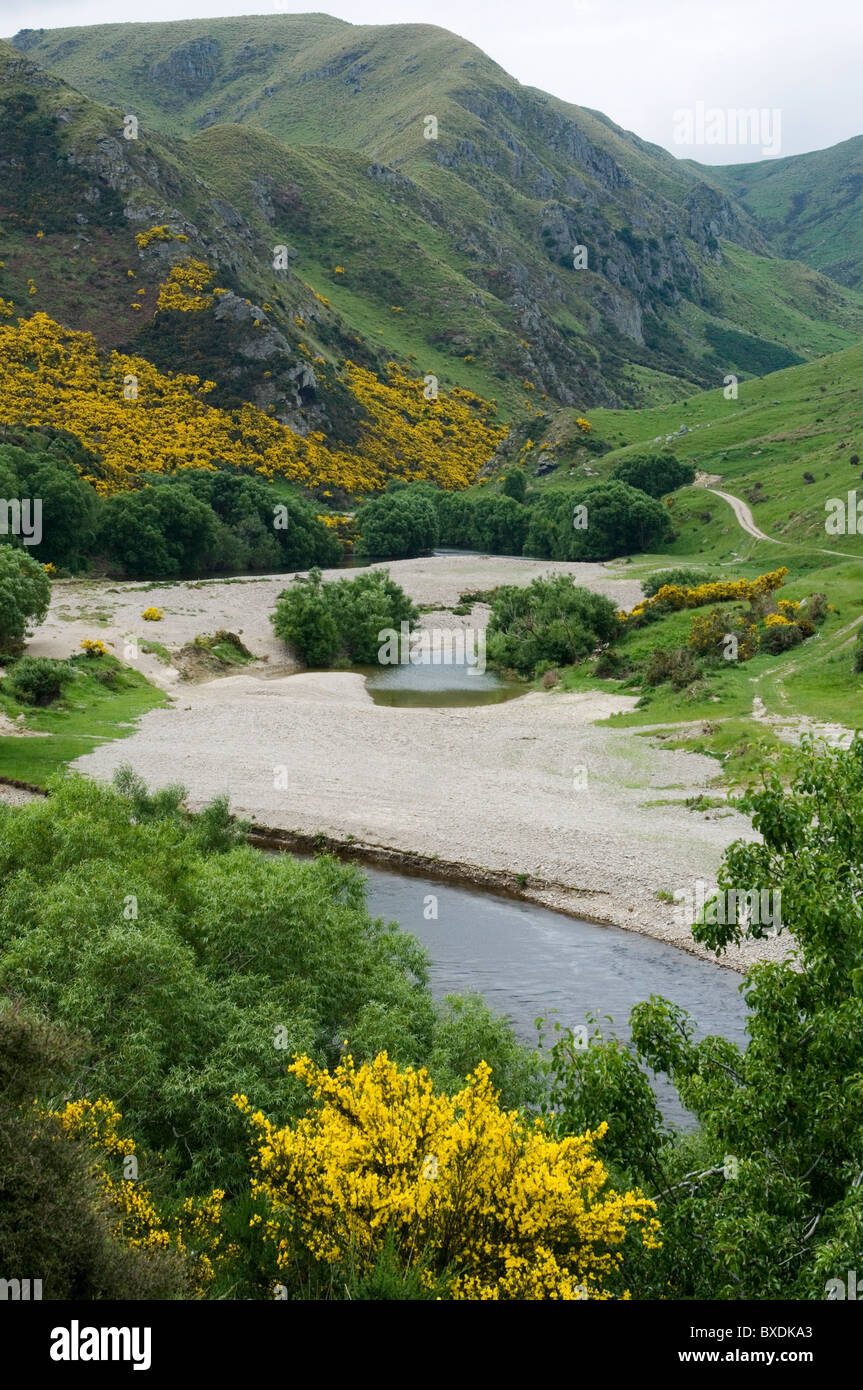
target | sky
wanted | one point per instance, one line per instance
(676, 72)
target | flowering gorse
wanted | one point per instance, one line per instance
(478, 1196)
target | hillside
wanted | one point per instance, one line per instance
(809, 206)
(456, 250)
(786, 444)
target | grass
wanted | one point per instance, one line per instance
(89, 714)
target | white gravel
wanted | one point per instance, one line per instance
(497, 787)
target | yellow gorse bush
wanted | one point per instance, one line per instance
(50, 375)
(93, 646)
(718, 591)
(193, 1232)
(152, 614)
(186, 287)
(468, 1191)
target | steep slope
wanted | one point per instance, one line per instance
(77, 201)
(462, 245)
(809, 206)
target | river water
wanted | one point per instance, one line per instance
(528, 961)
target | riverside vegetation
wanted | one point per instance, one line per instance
(205, 1051)
(269, 1042)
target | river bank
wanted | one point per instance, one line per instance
(535, 796)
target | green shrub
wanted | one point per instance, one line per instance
(548, 623)
(620, 520)
(37, 680)
(655, 474)
(54, 1224)
(515, 485)
(681, 578)
(25, 593)
(396, 526)
(342, 620)
(676, 665)
(780, 638)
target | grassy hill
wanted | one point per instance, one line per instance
(810, 206)
(458, 251)
(788, 442)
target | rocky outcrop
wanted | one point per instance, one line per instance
(188, 69)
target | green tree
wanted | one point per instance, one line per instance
(341, 620)
(655, 474)
(550, 622)
(159, 530)
(614, 519)
(515, 484)
(25, 593)
(776, 1208)
(396, 526)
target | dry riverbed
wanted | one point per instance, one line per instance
(584, 818)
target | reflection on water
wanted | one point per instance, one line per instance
(528, 961)
(444, 683)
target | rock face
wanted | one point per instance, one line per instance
(189, 69)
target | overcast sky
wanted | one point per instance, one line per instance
(643, 62)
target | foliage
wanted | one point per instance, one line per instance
(787, 1213)
(619, 520)
(515, 484)
(550, 622)
(192, 966)
(396, 526)
(54, 1224)
(342, 620)
(493, 1203)
(37, 680)
(43, 470)
(670, 597)
(51, 375)
(655, 474)
(25, 593)
(677, 578)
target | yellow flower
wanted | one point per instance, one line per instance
(152, 615)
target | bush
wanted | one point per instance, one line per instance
(488, 521)
(681, 579)
(327, 1188)
(396, 526)
(25, 593)
(858, 651)
(515, 485)
(53, 1221)
(655, 474)
(780, 638)
(620, 520)
(234, 961)
(676, 665)
(341, 621)
(37, 680)
(548, 623)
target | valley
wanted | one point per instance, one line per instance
(431, 684)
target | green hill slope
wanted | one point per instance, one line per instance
(459, 249)
(809, 206)
(787, 443)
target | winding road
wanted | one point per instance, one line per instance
(746, 521)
